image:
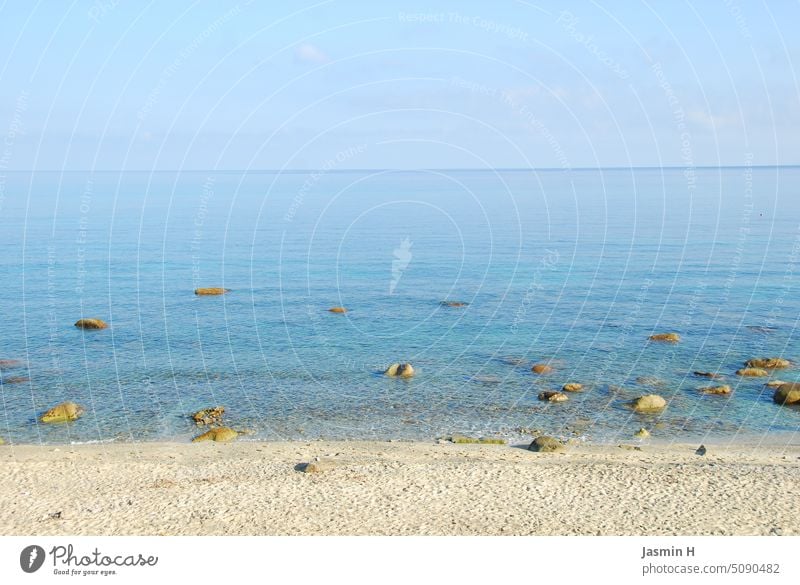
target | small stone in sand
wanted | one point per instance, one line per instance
(318, 465)
(546, 444)
(701, 450)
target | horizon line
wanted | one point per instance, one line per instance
(410, 170)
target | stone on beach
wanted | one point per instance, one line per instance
(64, 412)
(768, 363)
(337, 310)
(399, 371)
(219, 434)
(546, 444)
(666, 337)
(572, 387)
(723, 389)
(649, 403)
(551, 396)
(541, 369)
(209, 416)
(319, 465)
(789, 393)
(752, 373)
(208, 291)
(91, 324)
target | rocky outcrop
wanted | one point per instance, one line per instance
(768, 363)
(64, 412)
(550, 396)
(752, 373)
(541, 369)
(649, 404)
(546, 444)
(723, 389)
(218, 434)
(789, 393)
(91, 324)
(665, 337)
(399, 371)
(211, 291)
(209, 416)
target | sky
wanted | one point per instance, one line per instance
(124, 85)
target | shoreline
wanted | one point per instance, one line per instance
(397, 487)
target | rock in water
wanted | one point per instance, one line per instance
(707, 375)
(454, 304)
(209, 416)
(724, 389)
(91, 324)
(666, 337)
(545, 444)
(211, 291)
(219, 434)
(572, 387)
(775, 383)
(642, 433)
(752, 373)
(550, 396)
(64, 412)
(9, 364)
(337, 310)
(541, 369)
(649, 403)
(400, 370)
(15, 380)
(768, 363)
(788, 394)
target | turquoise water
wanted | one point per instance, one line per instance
(577, 268)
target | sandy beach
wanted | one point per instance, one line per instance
(396, 488)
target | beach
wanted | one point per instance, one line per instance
(398, 488)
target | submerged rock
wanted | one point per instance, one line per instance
(211, 291)
(550, 396)
(666, 337)
(775, 383)
(400, 370)
(649, 403)
(789, 393)
(91, 324)
(454, 304)
(650, 381)
(486, 379)
(219, 434)
(768, 363)
(546, 444)
(15, 380)
(708, 375)
(513, 361)
(10, 364)
(337, 310)
(642, 433)
(723, 389)
(752, 373)
(541, 369)
(572, 387)
(64, 412)
(209, 416)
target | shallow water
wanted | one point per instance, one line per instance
(574, 267)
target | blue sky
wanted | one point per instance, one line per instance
(210, 85)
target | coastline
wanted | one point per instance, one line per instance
(397, 487)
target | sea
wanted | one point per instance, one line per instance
(574, 268)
